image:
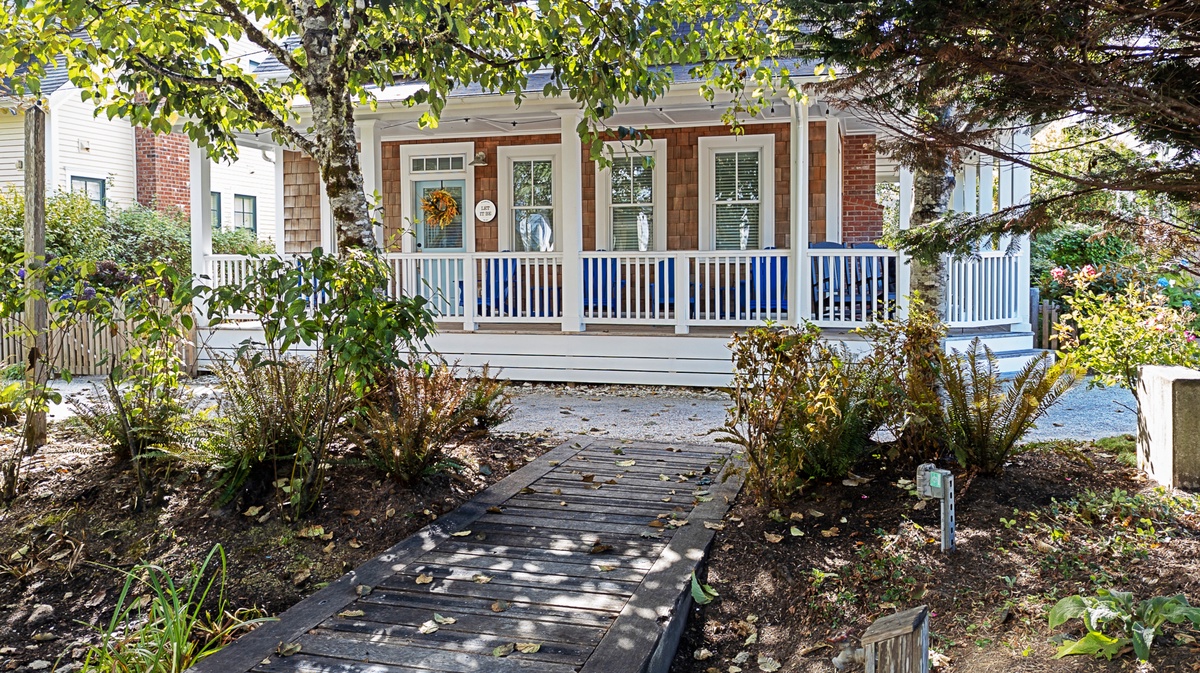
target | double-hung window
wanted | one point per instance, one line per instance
(631, 198)
(529, 198)
(245, 212)
(93, 188)
(737, 192)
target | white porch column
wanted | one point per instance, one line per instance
(280, 207)
(572, 224)
(970, 186)
(328, 230)
(833, 177)
(1021, 188)
(800, 292)
(370, 159)
(903, 262)
(200, 172)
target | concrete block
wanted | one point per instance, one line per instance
(1168, 443)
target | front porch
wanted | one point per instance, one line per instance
(557, 268)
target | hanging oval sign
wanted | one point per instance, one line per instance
(485, 211)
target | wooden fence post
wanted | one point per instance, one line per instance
(36, 319)
(898, 643)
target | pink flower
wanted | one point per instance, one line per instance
(1059, 274)
(1089, 272)
(1189, 336)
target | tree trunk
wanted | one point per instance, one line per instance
(36, 318)
(333, 123)
(933, 182)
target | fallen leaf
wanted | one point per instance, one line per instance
(480, 578)
(626, 463)
(461, 533)
(424, 579)
(352, 513)
(656, 524)
(253, 511)
(702, 654)
(427, 627)
(773, 538)
(768, 664)
(443, 620)
(287, 650)
(300, 577)
(499, 606)
(607, 567)
(311, 532)
(347, 614)
(588, 478)
(328, 536)
(528, 648)
(494, 510)
(328, 549)
(504, 650)
(796, 516)
(796, 532)
(920, 505)
(527, 491)
(391, 511)
(663, 477)
(363, 590)
(815, 513)
(599, 548)
(714, 525)
(354, 543)
(832, 532)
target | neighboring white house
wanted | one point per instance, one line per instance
(118, 165)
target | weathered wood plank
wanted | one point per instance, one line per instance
(454, 640)
(466, 604)
(541, 523)
(569, 512)
(585, 504)
(588, 567)
(480, 620)
(575, 595)
(508, 544)
(596, 582)
(351, 658)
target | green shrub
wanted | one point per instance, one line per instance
(161, 627)
(275, 414)
(143, 411)
(1114, 334)
(239, 242)
(10, 396)
(1113, 612)
(802, 407)
(409, 418)
(487, 402)
(340, 306)
(75, 227)
(142, 237)
(985, 417)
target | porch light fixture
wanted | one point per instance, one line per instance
(480, 159)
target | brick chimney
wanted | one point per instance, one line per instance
(163, 180)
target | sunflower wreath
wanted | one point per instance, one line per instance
(439, 207)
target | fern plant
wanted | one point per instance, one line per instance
(985, 417)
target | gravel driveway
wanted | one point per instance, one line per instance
(683, 414)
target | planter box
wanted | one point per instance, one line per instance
(1168, 443)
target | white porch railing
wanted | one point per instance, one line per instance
(852, 288)
(736, 288)
(838, 288)
(629, 288)
(982, 291)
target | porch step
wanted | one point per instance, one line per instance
(997, 341)
(1011, 362)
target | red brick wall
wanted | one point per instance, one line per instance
(862, 216)
(163, 171)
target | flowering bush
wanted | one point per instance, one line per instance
(1115, 334)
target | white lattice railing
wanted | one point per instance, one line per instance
(983, 290)
(851, 287)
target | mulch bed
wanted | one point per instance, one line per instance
(66, 540)
(866, 552)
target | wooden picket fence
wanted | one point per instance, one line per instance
(83, 349)
(1047, 315)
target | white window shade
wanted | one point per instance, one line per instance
(632, 203)
(737, 200)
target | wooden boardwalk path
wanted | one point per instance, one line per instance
(586, 552)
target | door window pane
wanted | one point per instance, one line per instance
(430, 236)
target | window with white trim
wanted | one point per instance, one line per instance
(533, 205)
(631, 198)
(245, 212)
(431, 164)
(737, 192)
